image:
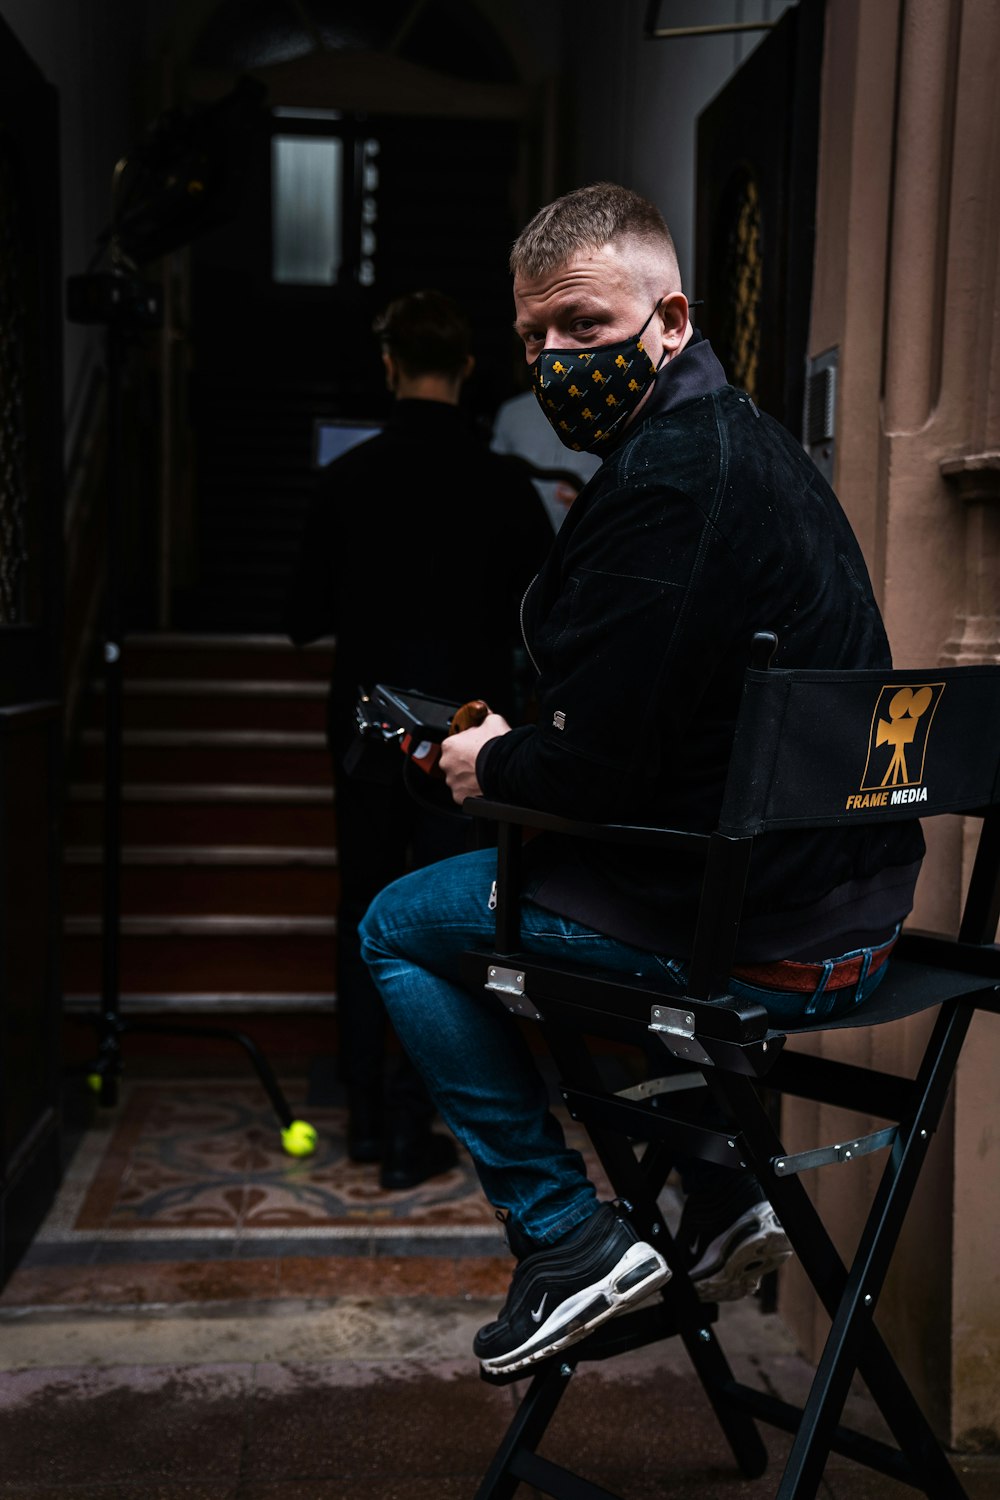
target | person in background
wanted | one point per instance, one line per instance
(520, 429)
(376, 570)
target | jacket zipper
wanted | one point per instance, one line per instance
(520, 617)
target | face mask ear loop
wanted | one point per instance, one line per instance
(643, 330)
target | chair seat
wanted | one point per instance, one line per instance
(908, 988)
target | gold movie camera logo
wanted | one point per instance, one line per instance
(897, 746)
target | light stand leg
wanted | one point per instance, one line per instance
(109, 1062)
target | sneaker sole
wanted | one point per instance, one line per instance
(737, 1263)
(640, 1271)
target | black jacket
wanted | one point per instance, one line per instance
(416, 550)
(707, 522)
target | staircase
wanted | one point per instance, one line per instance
(228, 880)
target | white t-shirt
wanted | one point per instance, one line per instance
(521, 428)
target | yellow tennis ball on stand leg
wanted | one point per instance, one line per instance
(299, 1138)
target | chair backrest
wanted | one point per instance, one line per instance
(825, 749)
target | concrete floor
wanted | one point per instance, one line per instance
(373, 1397)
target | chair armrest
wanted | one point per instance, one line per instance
(611, 833)
(919, 946)
(725, 862)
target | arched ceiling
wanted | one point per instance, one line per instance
(447, 36)
(404, 57)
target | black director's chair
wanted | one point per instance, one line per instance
(812, 750)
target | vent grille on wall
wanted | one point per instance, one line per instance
(819, 417)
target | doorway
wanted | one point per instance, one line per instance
(757, 151)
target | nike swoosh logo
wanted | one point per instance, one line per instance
(536, 1316)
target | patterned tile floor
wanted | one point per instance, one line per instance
(185, 1183)
(207, 1161)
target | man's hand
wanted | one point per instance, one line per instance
(458, 756)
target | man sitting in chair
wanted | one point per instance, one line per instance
(705, 523)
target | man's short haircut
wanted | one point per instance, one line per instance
(587, 219)
(427, 332)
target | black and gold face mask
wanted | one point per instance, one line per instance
(587, 395)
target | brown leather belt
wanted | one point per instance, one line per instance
(789, 974)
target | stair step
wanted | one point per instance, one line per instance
(228, 855)
(262, 567)
(260, 525)
(210, 813)
(225, 654)
(250, 957)
(235, 608)
(214, 739)
(182, 755)
(200, 887)
(188, 925)
(195, 791)
(218, 1003)
(261, 706)
(180, 687)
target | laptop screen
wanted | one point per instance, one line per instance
(333, 436)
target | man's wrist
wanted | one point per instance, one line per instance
(481, 760)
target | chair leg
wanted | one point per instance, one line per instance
(851, 1330)
(639, 1184)
(854, 1343)
(713, 1370)
(828, 1275)
(525, 1431)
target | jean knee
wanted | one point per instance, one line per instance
(389, 917)
(371, 928)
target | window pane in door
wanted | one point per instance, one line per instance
(307, 233)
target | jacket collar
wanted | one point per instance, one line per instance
(694, 372)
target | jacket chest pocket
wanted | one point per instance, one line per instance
(558, 622)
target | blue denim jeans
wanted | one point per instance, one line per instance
(473, 1055)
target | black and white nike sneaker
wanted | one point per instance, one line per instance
(558, 1296)
(731, 1237)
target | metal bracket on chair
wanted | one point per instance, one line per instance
(786, 1166)
(652, 1088)
(508, 986)
(675, 1028)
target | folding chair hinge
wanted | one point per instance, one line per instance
(508, 986)
(786, 1166)
(675, 1028)
(652, 1088)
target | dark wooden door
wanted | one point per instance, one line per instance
(757, 145)
(30, 647)
(271, 358)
